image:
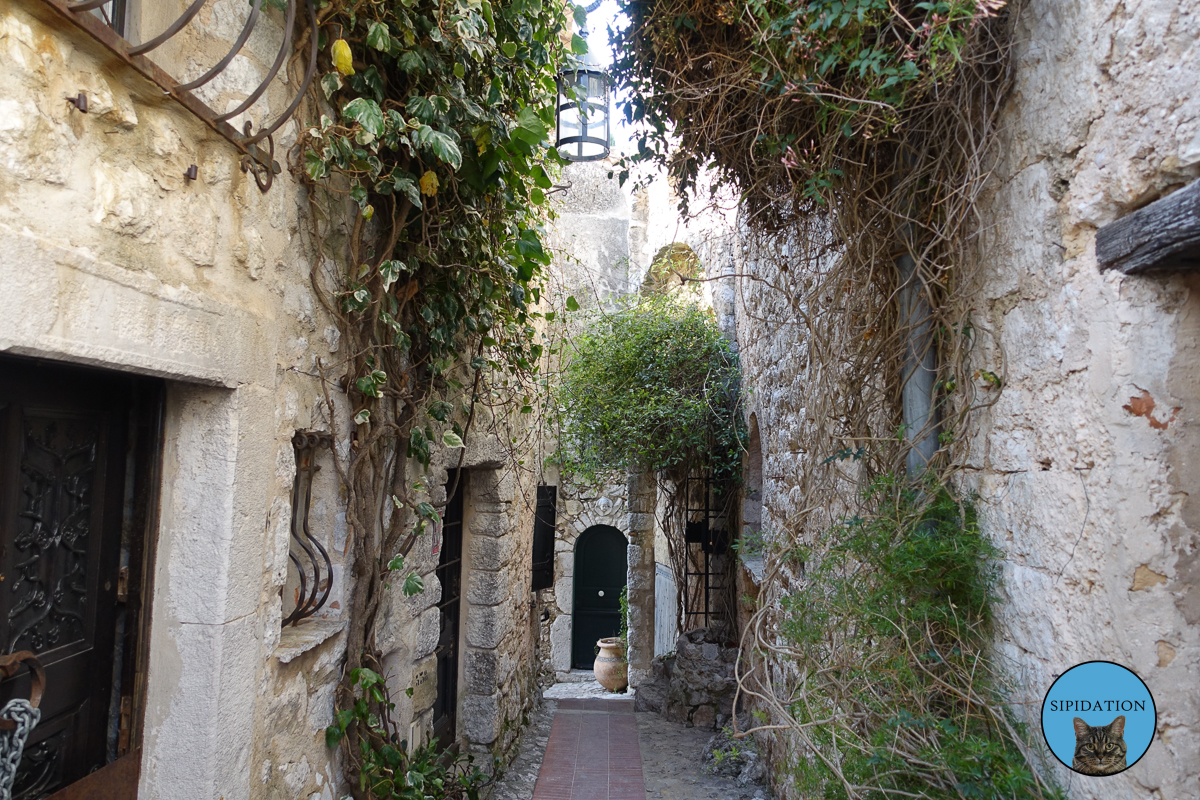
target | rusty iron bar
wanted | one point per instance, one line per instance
(309, 600)
(256, 159)
(10, 665)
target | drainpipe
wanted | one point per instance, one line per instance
(920, 417)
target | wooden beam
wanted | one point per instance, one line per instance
(1164, 235)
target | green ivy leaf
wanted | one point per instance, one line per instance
(378, 36)
(578, 44)
(410, 61)
(413, 585)
(315, 166)
(529, 121)
(509, 49)
(408, 186)
(421, 108)
(572, 304)
(441, 144)
(330, 83)
(367, 113)
(452, 439)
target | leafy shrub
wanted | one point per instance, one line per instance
(652, 387)
(889, 633)
(386, 767)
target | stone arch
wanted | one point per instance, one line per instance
(671, 268)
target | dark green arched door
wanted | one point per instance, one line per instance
(600, 569)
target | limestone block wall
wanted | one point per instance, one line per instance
(110, 257)
(1085, 467)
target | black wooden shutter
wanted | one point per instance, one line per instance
(543, 537)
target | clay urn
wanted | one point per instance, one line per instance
(610, 665)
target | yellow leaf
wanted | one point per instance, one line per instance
(483, 137)
(429, 184)
(368, 212)
(342, 60)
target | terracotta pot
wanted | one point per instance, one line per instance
(610, 665)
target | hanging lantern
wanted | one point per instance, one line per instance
(581, 116)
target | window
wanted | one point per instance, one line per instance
(543, 537)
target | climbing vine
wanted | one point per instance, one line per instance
(428, 172)
(651, 387)
(857, 137)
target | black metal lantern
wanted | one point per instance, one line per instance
(581, 116)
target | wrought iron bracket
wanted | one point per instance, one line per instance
(256, 157)
(314, 568)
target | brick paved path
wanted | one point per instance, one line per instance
(593, 753)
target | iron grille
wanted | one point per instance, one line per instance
(257, 147)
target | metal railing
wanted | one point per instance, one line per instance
(312, 565)
(257, 148)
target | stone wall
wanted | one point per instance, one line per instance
(1085, 465)
(110, 257)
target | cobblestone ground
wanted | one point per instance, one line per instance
(522, 774)
(671, 759)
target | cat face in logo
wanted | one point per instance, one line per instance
(1099, 750)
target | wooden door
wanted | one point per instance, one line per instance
(600, 569)
(64, 501)
(449, 573)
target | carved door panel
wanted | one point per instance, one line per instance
(62, 485)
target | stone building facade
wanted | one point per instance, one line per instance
(135, 252)
(1085, 468)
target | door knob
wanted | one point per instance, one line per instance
(600, 593)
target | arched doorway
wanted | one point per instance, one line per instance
(600, 569)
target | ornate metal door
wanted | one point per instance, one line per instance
(63, 442)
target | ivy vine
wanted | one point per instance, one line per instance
(428, 167)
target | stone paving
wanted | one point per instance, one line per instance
(585, 720)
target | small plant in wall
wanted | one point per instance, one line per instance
(387, 767)
(623, 636)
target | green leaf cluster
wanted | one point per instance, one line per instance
(653, 386)
(387, 768)
(439, 138)
(897, 609)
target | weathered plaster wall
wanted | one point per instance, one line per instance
(1078, 464)
(110, 257)
(1086, 465)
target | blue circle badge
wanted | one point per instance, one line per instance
(1098, 718)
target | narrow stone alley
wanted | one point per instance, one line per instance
(583, 743)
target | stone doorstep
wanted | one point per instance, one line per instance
(575, 676)
(587, 691)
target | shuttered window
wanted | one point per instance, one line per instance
(543, 537)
